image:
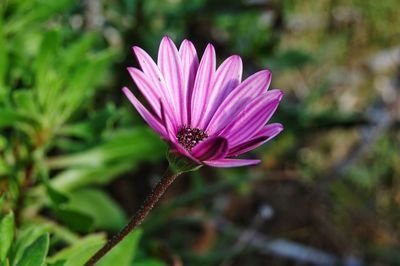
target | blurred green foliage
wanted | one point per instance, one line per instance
(56, 141)
(76, 159)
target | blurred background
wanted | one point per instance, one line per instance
(76, 160)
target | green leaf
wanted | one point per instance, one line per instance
(3, 56)
(6, 235)
(78, 50)
(75, 178)
(32, 13)
(84, 254)
(3, 94)
(48, 49)
(27, 238)
(149, 262)
(47, 83)
(81, 83)
(80, 252)
(89, 129)
(123, 151)
(25, 102)
(131, 145)
(35, 254)
(10, 118)
(95, 203)
(124, 252)
(56, 196)
(74, 219)
(58, 263)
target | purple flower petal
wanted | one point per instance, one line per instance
(146, 88)
(190, 64)
(151, 70)
(170, 65)
(201, 89)
(253, 86)
(173, 141)
(147, 116)
(211, 149)
(227, 78)
(176, 147)
(265, 134)
(167, 123)
(188, 96)
(231, 162)
(251, 119)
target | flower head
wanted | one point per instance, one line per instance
(206, 114)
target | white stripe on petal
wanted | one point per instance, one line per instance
(190, 64)
(252, 87)
(170, 65)
(147, 88)
(251, 119)
(151, 70)
(231, 162)
(201, 89)
(226, 79)
(265, 134)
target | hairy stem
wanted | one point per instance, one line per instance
(137, 219)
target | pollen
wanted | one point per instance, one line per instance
(190, 137)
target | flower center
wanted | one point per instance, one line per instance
(190, 137)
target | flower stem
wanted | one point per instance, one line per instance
(137, 219)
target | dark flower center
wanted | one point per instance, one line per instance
(190, 137)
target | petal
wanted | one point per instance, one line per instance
(211, 149)
(167, 123)
(173, 141)
(253, 86)
(146, 88)
(147, 116)
(190, 64)
(231, 162)
(151, 70)
(227, 78)
(201, 89)
(169, 62)
(253, 117)
(176, 147)
(264, 135)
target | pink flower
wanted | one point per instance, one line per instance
(204, 113)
